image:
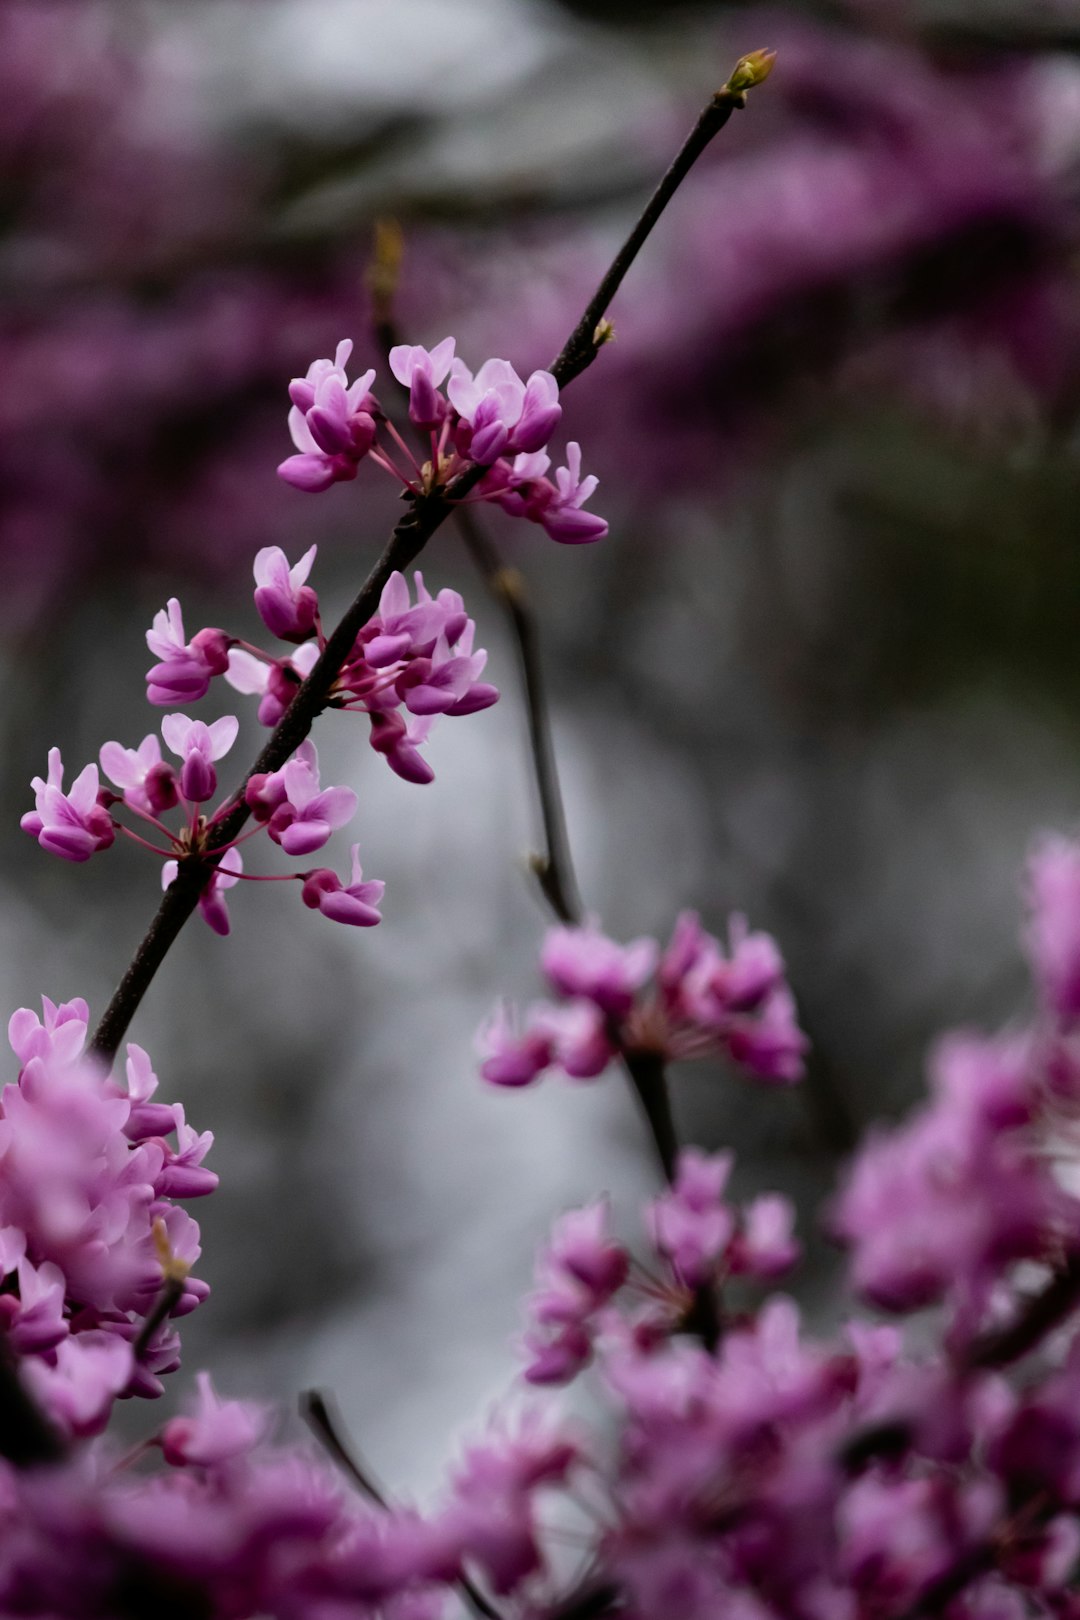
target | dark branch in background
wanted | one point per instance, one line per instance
(327, 1428)
(426, 514)
(555, 867)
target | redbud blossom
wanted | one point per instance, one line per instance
(212, 907)
(72, 825)
(703, 1001)
(356, 904)
(331, 422)
(87, 1174)
(146, 782)
(199, 745)
(287, 606)
(423, 371)
(499, 414)
(298, 815)
(187, 667)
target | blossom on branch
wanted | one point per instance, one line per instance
(703, 1002)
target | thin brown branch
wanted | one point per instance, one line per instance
(555, 867)
(593, 331)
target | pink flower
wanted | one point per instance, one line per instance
(147, 784)
(398, 740)
(357, 904)
(226, 875)
(199, 745)
(186, 668)
(584, 962)
(77, 1390)
(217, 1431)
(511, 1057)
(299, 816)
(331, 423)
(690, 1224)
(422, 371)
(287, 606)
(562, 516)
(59, 1034)
(522, 489)
(500, 414)
(276, 681)
(73, 825)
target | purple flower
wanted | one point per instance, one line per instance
(938, 1208)
(401, 629)
(146, 782)
(33, 1316)
(422, 371)
(331, 422)
(87, 1173)
(493, 1509)
(765, 1246)
(398, 741)
(186, 668)
(287, 606)
(73, 825)
(356, 904)
(199, 745)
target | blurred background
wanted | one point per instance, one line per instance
(825, 669)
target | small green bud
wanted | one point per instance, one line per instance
(750, 71)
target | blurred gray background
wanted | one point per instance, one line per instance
(824, 670)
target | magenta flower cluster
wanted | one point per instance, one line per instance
(491, 420)
(89, 1226)
(702, 1001)
(935, 1209)
(698, 1240)
(412, 662)
(236, 1526)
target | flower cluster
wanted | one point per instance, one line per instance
(236, 1526)
(491, 420)
(297, 813)
(940, 1208)
(89, 1229)
(698, 1241)
(703, 1001)
(411, 662)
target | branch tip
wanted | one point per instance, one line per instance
(750, 71)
